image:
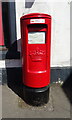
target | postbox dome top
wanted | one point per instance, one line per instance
(36, 15)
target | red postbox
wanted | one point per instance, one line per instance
(1, 27)
(36, 39)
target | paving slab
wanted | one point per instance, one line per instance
(14, 107)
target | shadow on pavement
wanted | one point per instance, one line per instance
(14, 80)
(67, 88)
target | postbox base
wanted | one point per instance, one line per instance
(36, 96)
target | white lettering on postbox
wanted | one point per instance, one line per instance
(37, 21)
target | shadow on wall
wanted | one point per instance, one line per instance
(67, 88)
(29, 4)
(14, 74)
(12, 51)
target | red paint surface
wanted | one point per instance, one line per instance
(1, 29)
(36, 57)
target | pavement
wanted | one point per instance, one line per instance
(14, 107)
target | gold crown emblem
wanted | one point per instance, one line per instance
(36, 55)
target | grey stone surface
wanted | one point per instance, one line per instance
(57, 74)
(0, 76)
(4, 76)
(14, 107)
(0, 54)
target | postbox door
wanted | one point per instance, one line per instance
(37, 48)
